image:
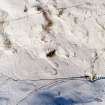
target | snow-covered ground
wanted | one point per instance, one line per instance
(43, 44)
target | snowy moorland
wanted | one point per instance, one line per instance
(52, 52)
